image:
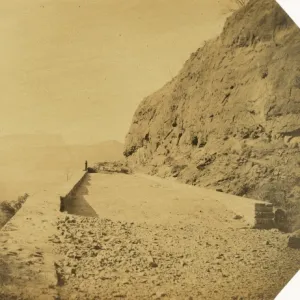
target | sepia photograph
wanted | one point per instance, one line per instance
(150, 150)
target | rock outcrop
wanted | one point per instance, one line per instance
(230, 119)
(111, 167)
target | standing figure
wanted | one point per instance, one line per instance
(86, 165)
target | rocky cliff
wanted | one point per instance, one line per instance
(230, 119)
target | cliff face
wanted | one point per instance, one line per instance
(231, 118)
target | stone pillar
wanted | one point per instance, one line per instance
(86, 166)
(294, 240)
(264, 216)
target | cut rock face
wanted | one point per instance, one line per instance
(231, 118)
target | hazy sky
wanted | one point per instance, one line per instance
(80, 68)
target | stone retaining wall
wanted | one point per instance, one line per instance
(70, 193)
(264, 216)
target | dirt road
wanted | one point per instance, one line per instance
(137, 237)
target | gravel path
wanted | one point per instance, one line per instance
(188, 258)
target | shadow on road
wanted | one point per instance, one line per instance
(78, 205)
